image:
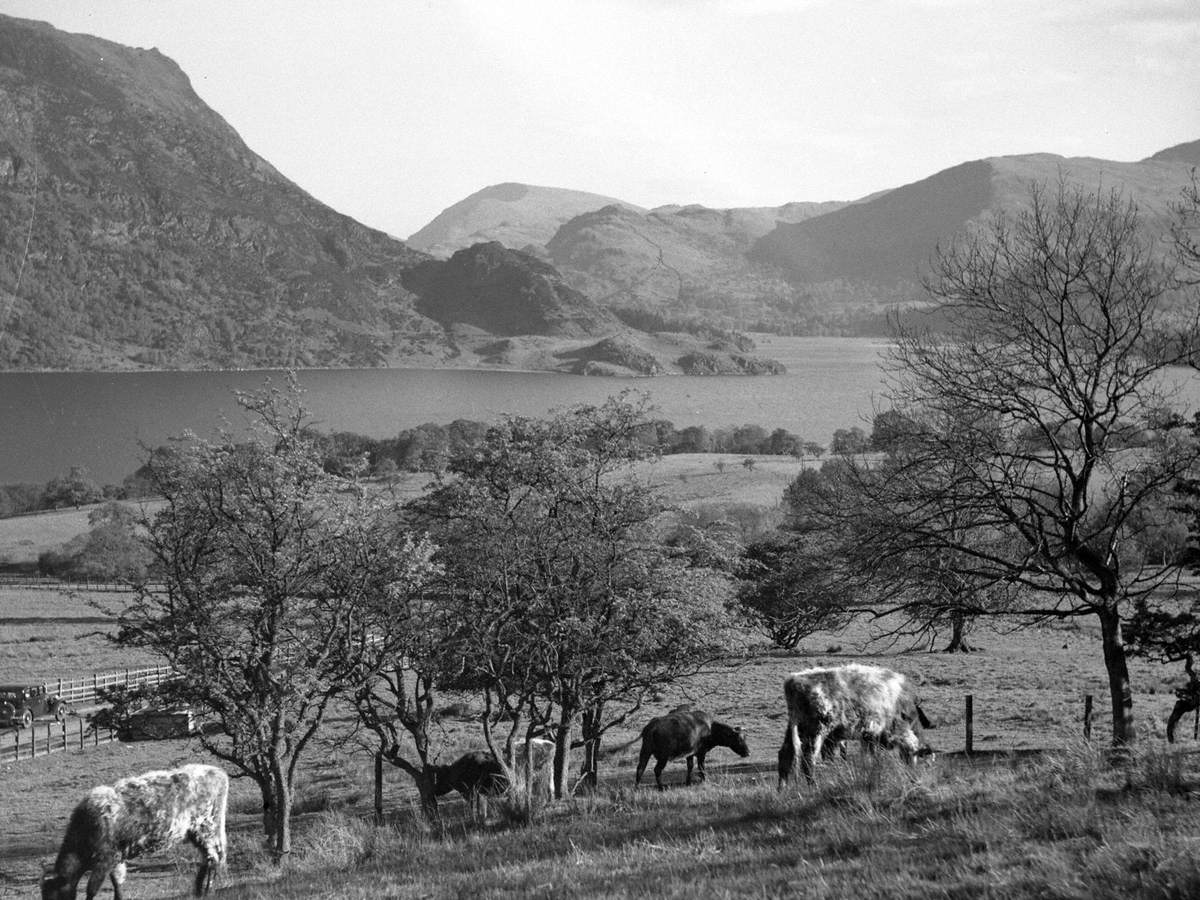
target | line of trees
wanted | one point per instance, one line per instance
(431, 447)
(530, 577)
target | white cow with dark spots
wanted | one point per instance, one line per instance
(831, 705)
(140, 815)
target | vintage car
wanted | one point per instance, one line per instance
(20, 704)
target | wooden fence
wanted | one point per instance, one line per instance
(85, 691)
(51, 583)
(45, 738)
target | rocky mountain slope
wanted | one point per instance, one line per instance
(137, 229)
(465, 289)
(519, 216)
(157, 237)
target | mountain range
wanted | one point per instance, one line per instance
(138, 230)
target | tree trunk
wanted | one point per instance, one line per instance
(281, 800)
(591, 747)
(429, 800)
(958, 638)
(562, 749)
(1117, 667)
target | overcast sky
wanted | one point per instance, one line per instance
(392, 111)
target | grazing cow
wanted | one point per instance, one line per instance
(685, 732)
(825, 706)
(477, 774)
(142, 814)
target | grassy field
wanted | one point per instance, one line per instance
(1034, 813)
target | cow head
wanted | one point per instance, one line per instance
(733, 738)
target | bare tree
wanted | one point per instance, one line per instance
(1033, 449)
(279, 588)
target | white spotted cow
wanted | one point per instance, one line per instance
(826, 706)
(139, 815)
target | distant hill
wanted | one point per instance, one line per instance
(883, 245)
(681, 264)
(504, 292)
(516, 215)
(159, 238)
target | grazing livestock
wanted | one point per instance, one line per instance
(685, 732)
(142, 814)
(825, 706)
(477, 774)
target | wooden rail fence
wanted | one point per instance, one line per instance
(50, 583)
(85, 691)
(45, 738)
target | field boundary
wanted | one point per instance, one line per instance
(86, 691)
(44, 738)
(53, 583)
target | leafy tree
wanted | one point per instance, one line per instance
(1053, 328)
(789, 589)
(280, 587)
(888, 429)
(849, 440)
(570, 610)
(76, 489)
(19, 498)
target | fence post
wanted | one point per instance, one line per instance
(32, 742)
(1087, 717)
(81, 744)
(970, 714)
(379, 787)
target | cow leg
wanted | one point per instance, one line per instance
(643, 759)
(787, 758)
(690, 763)
(96, 881)
(700, 773)
(809, 748)
(658, 770)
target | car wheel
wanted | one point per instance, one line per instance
(60, 712)
(26, 718)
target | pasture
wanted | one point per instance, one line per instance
(1035, 812)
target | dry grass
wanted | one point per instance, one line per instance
(22, 538)
(1060, 824)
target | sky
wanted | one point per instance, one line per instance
(392, 111)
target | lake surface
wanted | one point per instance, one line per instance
(52, 421)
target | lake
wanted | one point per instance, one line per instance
(50, 421)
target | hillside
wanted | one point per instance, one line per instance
(505, 292)
(681, 264)
(883, 245)
(516, 215)
(157, 237)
